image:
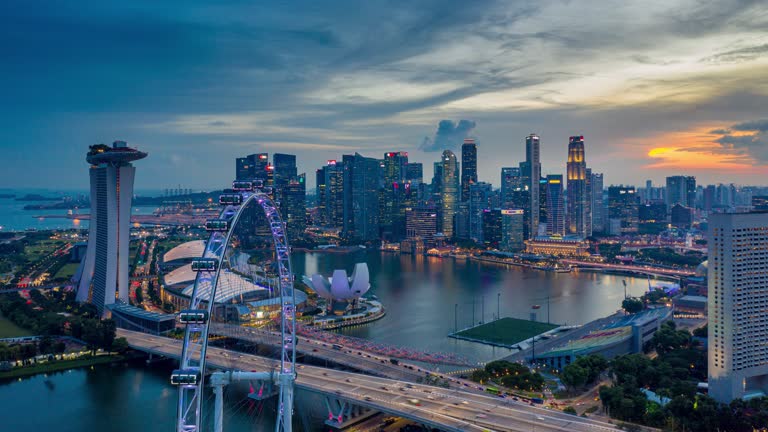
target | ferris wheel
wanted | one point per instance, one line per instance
(190, 377)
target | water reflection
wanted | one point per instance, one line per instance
(421, 293)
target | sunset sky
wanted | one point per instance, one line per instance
(657, 88)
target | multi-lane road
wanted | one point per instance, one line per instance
(447, 409)
(355, 359)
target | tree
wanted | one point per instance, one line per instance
(667, 339)
(570, 410)
(120, 345)
(574, 376)
(632, 305)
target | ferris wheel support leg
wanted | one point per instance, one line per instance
(218, 408)
(286, 402)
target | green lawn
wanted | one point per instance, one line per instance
(66, 271)
(507, 331)
(9, 329)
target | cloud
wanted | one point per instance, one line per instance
(719, 131)
(739, 55)
(751, 138)
(449, 136)
(755, 125)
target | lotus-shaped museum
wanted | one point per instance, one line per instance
(339, 287)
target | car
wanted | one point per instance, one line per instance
(430, 397)
(465, 402)
(384, 388)
(337, 391)
(403, 389)
(487, 410)
(480, 416)
(539, 418)
(325, 373)
(367, 397)
(348, 380)
(456, 403)
(314, 349)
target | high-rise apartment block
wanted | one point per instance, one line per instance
(104, 275)
(737, 311)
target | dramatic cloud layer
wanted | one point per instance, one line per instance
(663, 87)
(449, 136)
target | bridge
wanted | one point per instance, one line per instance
(644, 270)
(355, 359)
(454, 410)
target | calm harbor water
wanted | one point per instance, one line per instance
(420, 294)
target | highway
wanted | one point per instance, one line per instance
(355, 359)
(447, 409)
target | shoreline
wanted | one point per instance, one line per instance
(64, 365)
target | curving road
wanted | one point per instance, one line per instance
(447, 409)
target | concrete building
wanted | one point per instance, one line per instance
(681, 190)
(104, 275)
(738, 315)
(625, 336)
(569, 245)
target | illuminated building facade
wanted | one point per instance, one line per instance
(738, 316)
(104, 277)
(578, 196)
(449, 193)
(468, 167)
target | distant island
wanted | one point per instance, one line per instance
(36, 197)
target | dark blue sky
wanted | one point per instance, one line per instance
(664, 87)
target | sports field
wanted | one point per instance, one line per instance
(507, 331)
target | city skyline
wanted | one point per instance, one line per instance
(682, 91)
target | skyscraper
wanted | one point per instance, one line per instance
(284, 168)
(598, 206)
(738, 317)
(492, 226)
(468, 166)
(105, 268)
(414, 173)
(449, 193)
(395, 167)
(361, 197)
(532, 173)
(243, 169)
(333, 175)
(578, 202)
(510, 181)
(480, 196)
(293, 198)
(259, 164)
(623, 210)
(512, 230)
(681, 190)
(555, 210)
